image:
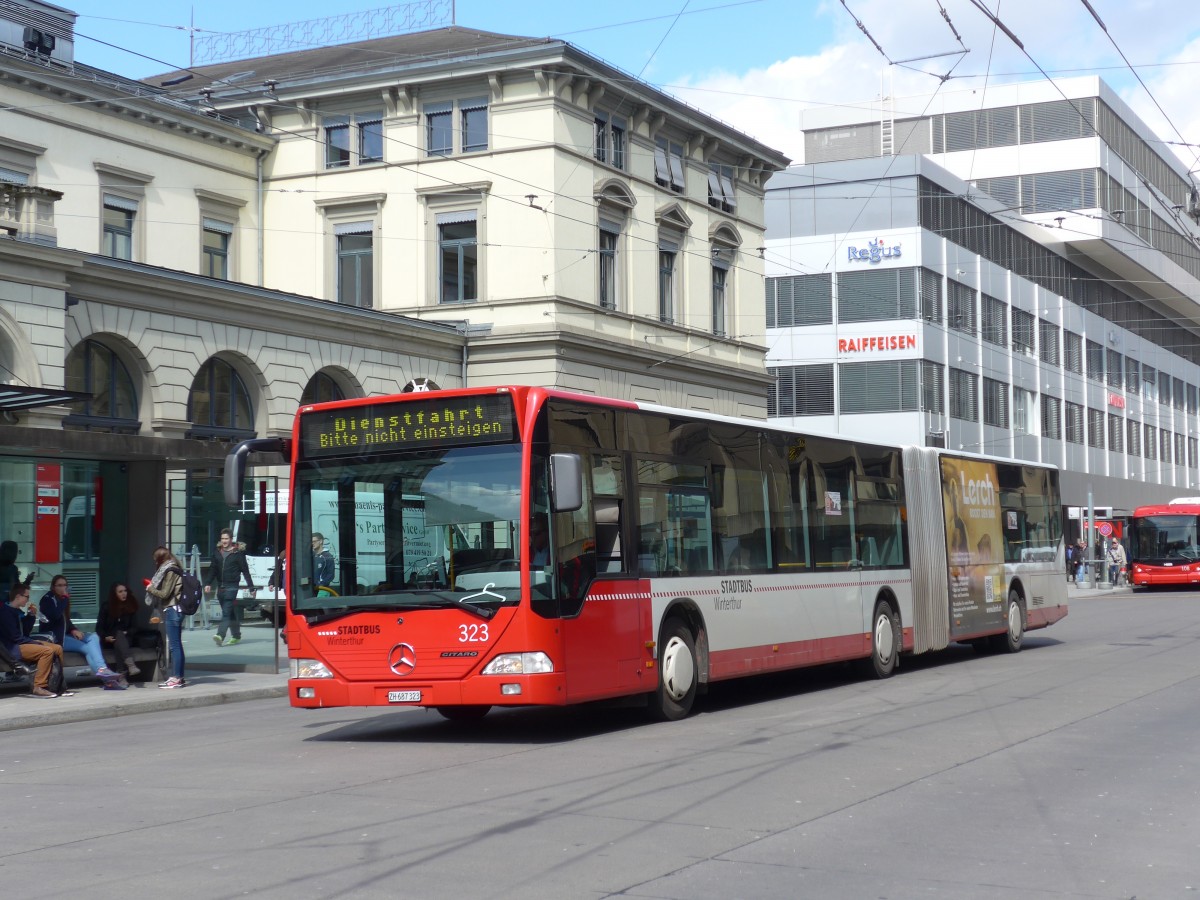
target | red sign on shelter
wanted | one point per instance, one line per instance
(47, 532)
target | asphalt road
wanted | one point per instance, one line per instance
(1067, 770)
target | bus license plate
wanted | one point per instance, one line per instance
(404, 696)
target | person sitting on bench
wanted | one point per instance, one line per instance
(20, 646)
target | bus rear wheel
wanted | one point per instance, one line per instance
(677, 671)
(885, 640)
(463, 713)
(1014, 634)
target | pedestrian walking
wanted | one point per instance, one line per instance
(225, 574)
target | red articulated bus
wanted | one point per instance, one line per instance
(519, 546)
(1163, 544)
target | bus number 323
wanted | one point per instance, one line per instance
(472, 634)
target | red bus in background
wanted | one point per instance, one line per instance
(1164, 543)
(519, 546)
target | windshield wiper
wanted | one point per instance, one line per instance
(439, 601)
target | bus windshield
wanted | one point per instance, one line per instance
(1166, 538)
(417, 530)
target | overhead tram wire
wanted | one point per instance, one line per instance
(466, 163)
(978, 4)
(1137, 75)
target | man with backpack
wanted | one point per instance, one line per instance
(225, 573)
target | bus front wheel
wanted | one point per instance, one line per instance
(676, 672)
(1014, 634)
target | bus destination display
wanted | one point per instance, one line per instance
(408, 425)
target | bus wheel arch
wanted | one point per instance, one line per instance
(887, 636)
(682, 662)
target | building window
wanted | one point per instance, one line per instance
(355, 263)
(1095, 361)
(439, 129)
(607, 290)
(119, 215)
(1022, 332)
(720, 188)
(610, 140)
(1074, 423)
(321, 388)
(1051, 417)
(930, 284)
(720, 274)
(964, 390)
(800, 300)
(668, 164)
(994, 321)
(1116, 433)
(1193, 446)
(1073, 352)
(458, 257)
(666, 285)
(1151, 441)
(1179, 441)
(94, 369)
(1164, 445)
(995, 403)
(1133, 431)
(1149, 382)
(801, 391)
(1023, 402)
(1049, 336)
(441, 135)
(219, 404)
(1112, 367)
(473, 116)
(216, 248)
(1164, 388)
(960, 307)
(880, 386)
(1095, 428)
(933, 393)
(353, 139)
(1133, 376)
(877, 294)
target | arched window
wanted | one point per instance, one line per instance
(321, 388)
(94, 369)
(219, 404)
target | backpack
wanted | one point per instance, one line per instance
(191, 592)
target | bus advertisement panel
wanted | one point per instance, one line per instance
(971, 503)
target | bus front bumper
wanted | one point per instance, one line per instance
(490, 690)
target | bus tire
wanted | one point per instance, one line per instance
(677, 672)
(1014, 634)
(885, 640)
(463, 713)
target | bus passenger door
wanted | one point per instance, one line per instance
(602, 630)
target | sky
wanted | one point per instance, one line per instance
(765, 66)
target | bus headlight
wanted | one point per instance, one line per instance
(308, 668)
(536, 663)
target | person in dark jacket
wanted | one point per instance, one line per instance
(10, 575)
(115, 625)
(15, 639)
(55, 607)
(225, 573)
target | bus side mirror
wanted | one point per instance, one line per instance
(566, 482)
(235, 463)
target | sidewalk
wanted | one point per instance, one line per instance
(1102, 589)
(19, 709)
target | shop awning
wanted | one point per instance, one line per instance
(16, 396)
